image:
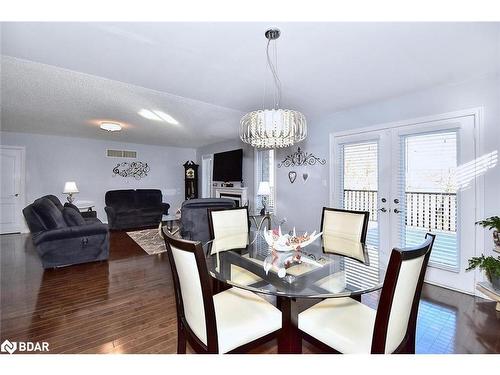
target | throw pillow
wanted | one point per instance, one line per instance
(72, 217)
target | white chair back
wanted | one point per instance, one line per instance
(406, 286)
(395, 323)
(191, 291)
(349, 225)
(229, 223)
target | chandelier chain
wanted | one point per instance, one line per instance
(277, 82)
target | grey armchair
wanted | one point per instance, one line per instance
(194, 217)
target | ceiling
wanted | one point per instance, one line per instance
(64, 77)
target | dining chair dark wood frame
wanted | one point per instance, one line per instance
(407, 345)
(366, 214)
(211, 223)
(184, 333)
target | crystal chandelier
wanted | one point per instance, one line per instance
(273, 128)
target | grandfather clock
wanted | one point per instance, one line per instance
(191, 180)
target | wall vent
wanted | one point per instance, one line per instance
(121, 154)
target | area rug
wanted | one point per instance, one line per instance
(149, 240)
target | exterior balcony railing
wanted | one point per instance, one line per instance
(427, 210)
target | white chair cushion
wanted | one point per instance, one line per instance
(341, 323)
(242, 317)
(241, 276)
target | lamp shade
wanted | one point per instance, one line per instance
(264, 188)
(70, 187)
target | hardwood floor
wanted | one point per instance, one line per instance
(126, 305)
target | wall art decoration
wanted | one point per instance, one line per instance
(292, 175)
(299, 158)
(135, 169)
(305, 176)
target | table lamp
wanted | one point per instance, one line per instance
(70, 189)
(264, 191)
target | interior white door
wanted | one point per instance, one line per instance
(206, 175)
(11, 189)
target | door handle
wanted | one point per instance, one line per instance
(396, 211)
(383, 209)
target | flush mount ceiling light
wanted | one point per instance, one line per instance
(158, 116)
(111, 126)
(273, 128)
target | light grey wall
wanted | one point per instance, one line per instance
(301, 203)
(248, 160)
(52, 160)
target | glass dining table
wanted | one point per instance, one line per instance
(329, 267)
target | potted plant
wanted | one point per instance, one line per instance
(492, 223)
(491, 267)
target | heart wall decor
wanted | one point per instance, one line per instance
(305, 176)
(292, 175)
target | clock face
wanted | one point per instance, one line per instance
(190, 173)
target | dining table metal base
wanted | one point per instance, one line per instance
(290, 339)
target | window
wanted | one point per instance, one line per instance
(265, 171)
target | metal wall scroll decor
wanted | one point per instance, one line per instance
(135, 169)
(299, 158)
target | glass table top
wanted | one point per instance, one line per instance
(328, 267)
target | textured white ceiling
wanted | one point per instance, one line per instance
(324, 67)
(39, 98)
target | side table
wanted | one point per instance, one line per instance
(168, 221)
(86, 208)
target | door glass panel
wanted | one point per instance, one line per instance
(428, 194)
(360, 193)
(360, 183)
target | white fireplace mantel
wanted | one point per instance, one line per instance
(239, 194)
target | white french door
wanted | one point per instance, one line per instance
(414, 179)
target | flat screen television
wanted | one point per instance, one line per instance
(228, 166)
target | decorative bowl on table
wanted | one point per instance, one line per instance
(286, 242)
(286, 250)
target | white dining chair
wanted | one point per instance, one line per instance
(228, 222)
(230, 225)
(344, 325)
(345, 224)
(233, 321)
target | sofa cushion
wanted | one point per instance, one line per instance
(71, 205)
(49, 214)
(72, 217)
(120, 200)
(147, 198)
(34, 221)
(54, 200)
(151, 211)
